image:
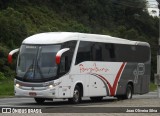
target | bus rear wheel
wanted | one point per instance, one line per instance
(129, 92)
(96, 98)
(39, 100)
(76, 96)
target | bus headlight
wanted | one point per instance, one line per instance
(17, 85)
(55, 84)
(50, 86)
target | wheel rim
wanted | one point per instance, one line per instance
(129, 93)
(76, 95)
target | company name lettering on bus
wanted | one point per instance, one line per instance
(31, 47)
(94, 68)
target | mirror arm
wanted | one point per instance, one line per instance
(11, 54)
(59, 54)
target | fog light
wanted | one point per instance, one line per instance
(50, 86)
(17, 85)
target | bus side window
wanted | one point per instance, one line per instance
(110, 52)
(97, 52)
(67, 57)
(84, 52)
(62, 65)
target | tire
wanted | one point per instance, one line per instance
(95, 99)
(77, 97)
(129, 92)
(39, 100)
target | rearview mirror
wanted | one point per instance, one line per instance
(59, 54)
(11, 54)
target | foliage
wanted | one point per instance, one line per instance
(6, 88)
(152, 87)
(122, 18)
(2, 77)
(12, 29)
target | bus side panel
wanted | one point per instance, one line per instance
(126, 76)
(82, 79)
(92, 86)
(97, 87)
(103, 77)
(136, 73)
(64, 89)
(146, 79)
(68, 83)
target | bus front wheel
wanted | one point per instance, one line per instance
(76, 95)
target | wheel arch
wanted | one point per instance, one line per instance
(80, 85)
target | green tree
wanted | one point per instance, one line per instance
(12, 28)
(132, 34)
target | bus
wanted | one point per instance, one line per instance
(71, 65)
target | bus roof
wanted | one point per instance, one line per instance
(60, 37)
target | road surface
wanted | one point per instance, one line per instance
(113, 105)
(16, 101)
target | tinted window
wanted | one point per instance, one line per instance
(143, 53)
(94, 51)
(67, 57)
(84, 52)
(97, 52)
(109, 52)
(132, 53)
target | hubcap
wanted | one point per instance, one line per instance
(129, 93)
(76, 95)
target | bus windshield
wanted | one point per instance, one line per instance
(37, 63)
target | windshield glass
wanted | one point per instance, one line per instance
(37, 63)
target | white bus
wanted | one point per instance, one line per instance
(75, 65)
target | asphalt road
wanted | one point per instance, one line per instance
(18, 101)
(61, 106)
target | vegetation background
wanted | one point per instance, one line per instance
(19, 19)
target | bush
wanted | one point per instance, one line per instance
(2, 77)
(132, 34)
(13, 29)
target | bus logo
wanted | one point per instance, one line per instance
(138, 71)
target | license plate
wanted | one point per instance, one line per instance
(32, 93)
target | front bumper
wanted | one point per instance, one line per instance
(46, 93)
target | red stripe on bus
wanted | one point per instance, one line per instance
(116, 80)
(113, 88)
